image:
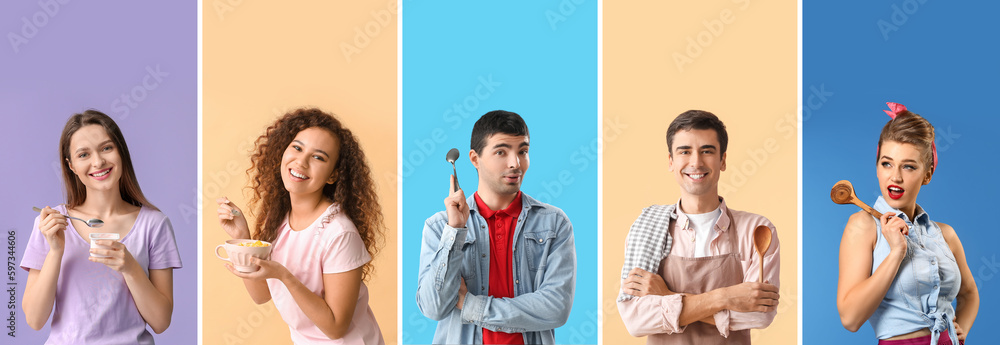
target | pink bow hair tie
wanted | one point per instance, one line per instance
(894, 110)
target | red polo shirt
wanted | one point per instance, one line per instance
(501, 228)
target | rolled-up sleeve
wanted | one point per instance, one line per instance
(547, 307)
(652, 314)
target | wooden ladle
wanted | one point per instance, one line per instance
(843, 193)
(762, 241)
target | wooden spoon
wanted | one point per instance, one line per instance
(843, 193)
(762, 241)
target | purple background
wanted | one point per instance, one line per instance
(87, 55)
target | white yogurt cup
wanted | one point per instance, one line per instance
(102, 236)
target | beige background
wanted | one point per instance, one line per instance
(262, 59)
(745, 72)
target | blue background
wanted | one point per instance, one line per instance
(942, 63)
(548, 75)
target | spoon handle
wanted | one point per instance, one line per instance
(867, 208)
(36, 209)
(759, 254)
(453, 171)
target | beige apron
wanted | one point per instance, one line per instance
(699, 275)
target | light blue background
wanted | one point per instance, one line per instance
(942, 63)
(548, 75)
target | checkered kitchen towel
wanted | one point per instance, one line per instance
(648, 241)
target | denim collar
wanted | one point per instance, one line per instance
(527, 203)
(921, 216)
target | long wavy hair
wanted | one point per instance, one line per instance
(353, 190)
(76, 191)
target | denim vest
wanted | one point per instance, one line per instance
(926, 284)
(544, 276)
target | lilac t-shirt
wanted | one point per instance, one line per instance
(331, 244)
(93, 305)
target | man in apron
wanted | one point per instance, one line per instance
(691, 273)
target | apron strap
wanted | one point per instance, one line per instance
(733, 239)
(731, 229)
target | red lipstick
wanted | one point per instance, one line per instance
(895, 192)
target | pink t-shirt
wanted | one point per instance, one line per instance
(93, 305)
(331, 244)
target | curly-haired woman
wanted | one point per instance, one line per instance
(314, 200)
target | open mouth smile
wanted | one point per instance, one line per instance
(297, 176)
(697, 176)
(100, 175)
(895, 192)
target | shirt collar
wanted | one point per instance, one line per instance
(721, 225)
(512, 210)
(920, 216)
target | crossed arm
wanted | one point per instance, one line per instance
(743, 306)
(439, 284)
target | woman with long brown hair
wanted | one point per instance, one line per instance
(101, 295)
(903, 271)
(314, 199)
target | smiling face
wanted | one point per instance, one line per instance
(94, 158)
(308, 162)
(901, 172)
(696, 161)
(503, 162)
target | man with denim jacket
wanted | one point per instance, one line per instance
(498, 267)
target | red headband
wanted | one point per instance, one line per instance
(895, 109)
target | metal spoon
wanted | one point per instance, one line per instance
(93, 223)
(452, 157)
(762, 241)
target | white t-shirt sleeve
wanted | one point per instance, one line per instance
(346, 251)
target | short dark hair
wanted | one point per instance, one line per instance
(697, 119)
(497, 121)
